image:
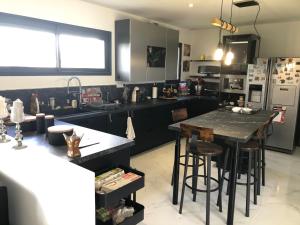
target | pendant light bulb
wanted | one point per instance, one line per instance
(228, 61)
(218, 55)
(229, 57)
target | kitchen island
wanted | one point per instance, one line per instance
(46, 187)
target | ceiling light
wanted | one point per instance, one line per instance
(229, 57)
(191, 5)
(219, 53)
(224, 25)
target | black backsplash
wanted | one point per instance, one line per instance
(60, 94)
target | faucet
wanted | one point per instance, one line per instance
(79, 87)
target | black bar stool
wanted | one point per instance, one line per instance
(199, 144)
(268, 132)
(177, 116)
(252, 149)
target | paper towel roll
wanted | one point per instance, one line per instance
(154, 92)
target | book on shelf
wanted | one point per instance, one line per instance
(119, 182)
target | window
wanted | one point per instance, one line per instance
(81, 52)
(26, 48)
(31, 46)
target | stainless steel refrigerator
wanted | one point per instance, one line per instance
(273, 84)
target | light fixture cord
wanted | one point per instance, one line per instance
(221, 14)
(254, 25)
(231, 11)
(221, 18)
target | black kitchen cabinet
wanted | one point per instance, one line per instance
(150, 124)
(97, 122)
(151, 127)
(117, 123)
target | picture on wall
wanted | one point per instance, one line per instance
(156, 56)
(186, 66)
(187, 50)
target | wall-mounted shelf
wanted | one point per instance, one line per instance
(206, 60)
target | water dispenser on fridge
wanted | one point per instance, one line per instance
(256, 88)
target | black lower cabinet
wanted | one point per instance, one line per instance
(117, 124)
(96, 122)
(150, 124)
(112, 199)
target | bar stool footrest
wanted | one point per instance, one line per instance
(200, 159)
(202, 190)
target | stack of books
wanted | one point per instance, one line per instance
(114, 179)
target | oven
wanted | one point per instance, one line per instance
(233, 83)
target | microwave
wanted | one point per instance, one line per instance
(233, 83)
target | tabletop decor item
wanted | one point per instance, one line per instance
(3, 114)
(17, 117)
(40, 123)
(49, 122)
(55, 134)
(73, 142)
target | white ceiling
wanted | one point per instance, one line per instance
(177, 12)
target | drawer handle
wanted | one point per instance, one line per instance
(283, 89)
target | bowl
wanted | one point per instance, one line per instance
(236, 109)
(246, 110)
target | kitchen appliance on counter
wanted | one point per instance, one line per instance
(206, 77)
(273, 84)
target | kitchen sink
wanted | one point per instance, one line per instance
(104, 106)
(69, 111)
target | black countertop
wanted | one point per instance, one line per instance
(107, 143)
(134, 106)
(227, 124)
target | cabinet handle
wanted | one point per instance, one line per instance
(110, 119)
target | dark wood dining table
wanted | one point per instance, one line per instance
(228, 125)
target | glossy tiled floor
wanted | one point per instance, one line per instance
(279, 202)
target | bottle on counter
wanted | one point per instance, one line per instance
(34, 104)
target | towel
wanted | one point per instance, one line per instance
(130, 130)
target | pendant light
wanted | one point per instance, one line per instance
(218, 55)
(229, 55)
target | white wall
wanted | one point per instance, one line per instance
(65, 11)
(277, 39)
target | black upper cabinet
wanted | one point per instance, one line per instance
(245, 48)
